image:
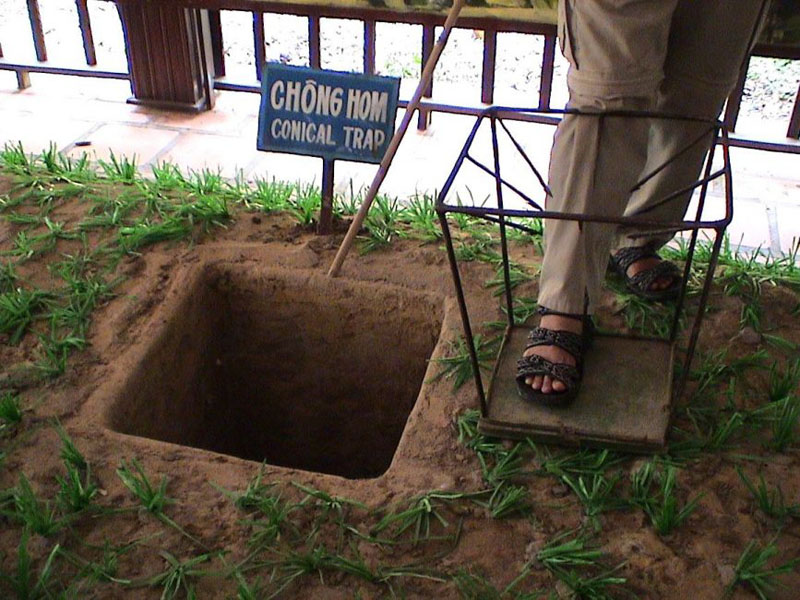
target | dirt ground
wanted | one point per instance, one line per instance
(238, 345)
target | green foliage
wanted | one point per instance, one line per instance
(179, 575)
(10, 412)
(420, 214)
(382, 223)
(783, 383)
(419, 516)
(662, 507)
(18, 309)
(152, 499)
(25, 582)
(644, 316)
(579, 566)
(458, 364)
(596, 493)
(507, 500)
(14, 158)
(37, 515)
(752, 569)
(268, 196)
(120, 169)
(76, 490)
(475, 587)
(770, 502)
(304, 204)
(785, 419)
(516, 276)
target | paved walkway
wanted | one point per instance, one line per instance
(68, 110)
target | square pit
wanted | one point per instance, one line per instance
(295, 369)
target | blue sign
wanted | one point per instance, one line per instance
(329, 114)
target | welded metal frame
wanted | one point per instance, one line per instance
(504, 217)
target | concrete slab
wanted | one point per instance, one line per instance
(624, 400)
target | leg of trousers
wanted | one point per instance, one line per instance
(628, 55)
(616, 50)
(709, 42)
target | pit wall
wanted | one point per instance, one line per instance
(426, 434)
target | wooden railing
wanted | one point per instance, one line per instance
(175, 49)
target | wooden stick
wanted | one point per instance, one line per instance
(383, 169)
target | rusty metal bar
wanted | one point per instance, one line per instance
(794, 123)
(489, 61)
(85, 24)
(462, 306)
(314, 53)
(217, 46)
(259, 42)
(370, 31)
(37, 29)
(498, 183)
(548, 65)
(735, 99)
(428, 35)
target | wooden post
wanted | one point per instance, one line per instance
(38, 30)
(428, 32)
(794, 123)
(735, 98)
(217, 46)
(548, 61)
(170, 60)
(259, 43)
(489, 60)
(85, 24)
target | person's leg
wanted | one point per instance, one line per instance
(616, 50)
(708, 43)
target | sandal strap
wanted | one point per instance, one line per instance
(530, 366)
(644, 280)
(625, 257)
(566, 340)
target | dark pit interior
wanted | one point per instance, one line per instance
(297, 370)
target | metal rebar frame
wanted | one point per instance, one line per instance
(505, 217)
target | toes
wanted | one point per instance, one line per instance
(537, 382)
(547, 385)
(558, 386)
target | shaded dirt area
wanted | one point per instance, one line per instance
(216, 355)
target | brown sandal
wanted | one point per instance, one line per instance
(641, 283)
(530, 366)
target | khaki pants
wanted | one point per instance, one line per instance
(679, 57)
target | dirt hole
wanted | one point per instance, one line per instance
(297, 370)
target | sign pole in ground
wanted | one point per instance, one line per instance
(413, 105)
(326, 209)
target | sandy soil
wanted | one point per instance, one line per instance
(253, 300)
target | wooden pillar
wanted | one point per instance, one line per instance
(428, 41)
(489, 59)
(548, 66)
(170, 56)
(794, 122)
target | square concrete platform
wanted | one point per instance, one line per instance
(624, 401)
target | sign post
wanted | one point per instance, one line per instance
(329, 114)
